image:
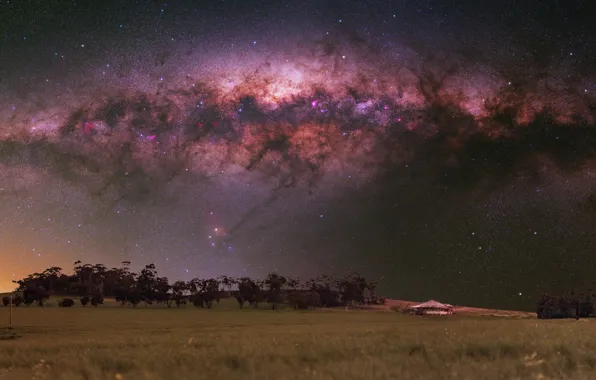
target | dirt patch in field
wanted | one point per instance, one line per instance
(8, 334)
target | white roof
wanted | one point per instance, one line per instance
(432, 304)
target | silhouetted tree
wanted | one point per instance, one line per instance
(179, 291)
(274, 283)
(249, 291)
(92, 281)
(227, 282)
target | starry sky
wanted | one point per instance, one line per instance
(444, 148)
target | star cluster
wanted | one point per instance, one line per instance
(405, 143)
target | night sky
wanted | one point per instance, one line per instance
(445, 148)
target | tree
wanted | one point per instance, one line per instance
(50, 278)
(352, 288)
(293, 283)
(162, 288)
(326, 287)
(227, 282)
(179, 290)
(146, 281)
(249, 291)
(274, 283)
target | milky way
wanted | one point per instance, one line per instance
(312, 150)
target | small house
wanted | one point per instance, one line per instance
(432, 307)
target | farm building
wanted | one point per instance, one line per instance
(432, 307)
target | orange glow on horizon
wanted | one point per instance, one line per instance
(15, 264)
(6, 285)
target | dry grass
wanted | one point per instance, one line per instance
(226, 343)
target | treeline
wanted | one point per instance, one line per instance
(93, 282)
(569, 305)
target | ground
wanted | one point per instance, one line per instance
(111, 342)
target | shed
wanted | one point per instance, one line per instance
(432, 307)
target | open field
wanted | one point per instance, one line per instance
(227, 343)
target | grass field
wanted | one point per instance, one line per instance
(226, 343)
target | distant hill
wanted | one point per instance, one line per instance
(398, 305)
(461, 310)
